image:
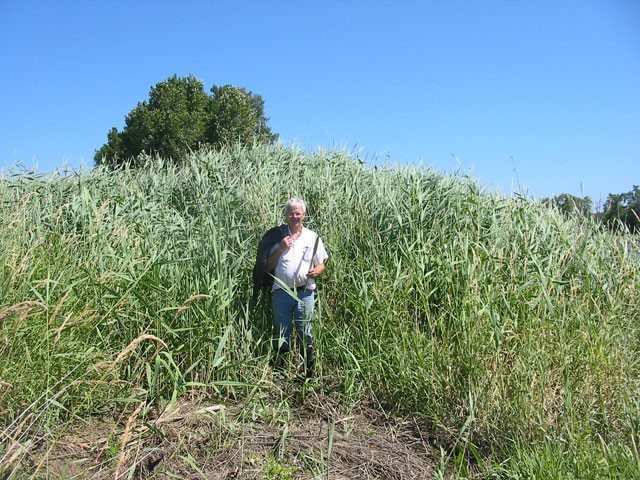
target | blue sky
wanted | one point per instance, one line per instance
(537, 96)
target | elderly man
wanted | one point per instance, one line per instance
(297, 260)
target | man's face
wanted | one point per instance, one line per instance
(295, 216)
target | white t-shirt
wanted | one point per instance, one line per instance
(295, 261)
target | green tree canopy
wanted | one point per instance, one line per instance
(179, 117)
(570, 204)
(237, 116)
(623, 208)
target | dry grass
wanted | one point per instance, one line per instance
(318, 440)
(127, 350)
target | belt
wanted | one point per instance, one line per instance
(301, 289)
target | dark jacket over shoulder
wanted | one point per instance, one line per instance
(262, 278)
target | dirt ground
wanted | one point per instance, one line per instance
(315, 438)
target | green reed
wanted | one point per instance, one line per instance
(510, 328)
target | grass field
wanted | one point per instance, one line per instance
(507, 331)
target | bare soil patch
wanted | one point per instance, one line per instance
(316, 438)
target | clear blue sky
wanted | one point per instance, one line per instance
(547, 89)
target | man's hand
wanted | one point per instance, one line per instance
(316, 271)
(287, 242)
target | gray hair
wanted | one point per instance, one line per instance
(295, 201)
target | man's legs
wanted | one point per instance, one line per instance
(303, 316)
(285, 308)
(282, 306)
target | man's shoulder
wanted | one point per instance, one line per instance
(278, 229)
(309, 233)
(274, 234)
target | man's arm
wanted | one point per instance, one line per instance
(272, 260)
(316, 271)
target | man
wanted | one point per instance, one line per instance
(298, 260)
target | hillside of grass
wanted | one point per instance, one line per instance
(507, 330)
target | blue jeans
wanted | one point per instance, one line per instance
(287, 309)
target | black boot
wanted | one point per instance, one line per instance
(278, 363)
(279, 360)
(310, 361)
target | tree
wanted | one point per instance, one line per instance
(623, 208)
(568, 204)
(179, 117)
(237, 117)
(112, 151)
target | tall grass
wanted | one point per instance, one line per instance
(509, 328)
